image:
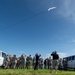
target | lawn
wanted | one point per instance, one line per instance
(32, 72)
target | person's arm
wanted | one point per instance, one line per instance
(39, 54)
(52, 53)
(58, 58)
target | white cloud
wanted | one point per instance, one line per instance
(51, 8)
(67, 9)
(62, 55)
(47, 55)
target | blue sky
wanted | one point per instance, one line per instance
(26, 26)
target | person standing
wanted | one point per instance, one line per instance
(55, 61)
(49, 63)
(14, 61)
(37, 61)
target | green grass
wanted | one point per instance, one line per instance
(32, 72)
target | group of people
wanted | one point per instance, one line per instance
(36, 62)
(13, 61)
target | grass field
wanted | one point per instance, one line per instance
(32, 72)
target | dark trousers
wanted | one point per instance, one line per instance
(36, 66)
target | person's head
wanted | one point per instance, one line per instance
(14, 55)
(30, 55)
(7, 55)
(49, 57)
(36, 53)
